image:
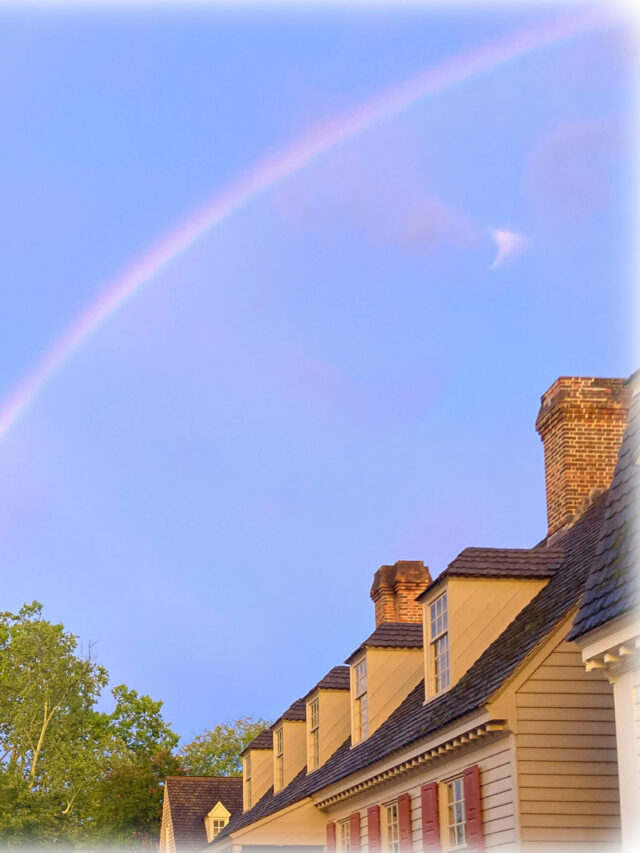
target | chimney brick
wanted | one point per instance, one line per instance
(581, 422)
(395, 589)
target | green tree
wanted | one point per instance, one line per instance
(58, 755)
(217, 752)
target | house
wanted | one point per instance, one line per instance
(196, 808)
(467, 719)
(607, 627)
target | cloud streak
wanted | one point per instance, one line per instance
(509, 244)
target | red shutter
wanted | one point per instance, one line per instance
(373, 828)
(331, 837)
(473, 808)
(404, 822)
(430, 817)
(354, 832)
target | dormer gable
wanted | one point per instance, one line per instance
(257, 768)
(469, 605)
(216, 820)
(289, 744)
(384, 670)
(328, 716)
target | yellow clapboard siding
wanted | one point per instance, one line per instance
(566, 779)
(557, 834)
(561, 714)
(567, 727)
(570, 794)
(566, 768)
(564, 700)
(557, 756)
(561, 807)
(568, 740)
(565, 687)
(566, 821)
(562, 671)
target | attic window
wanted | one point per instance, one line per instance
(216, 820)
(361, 701)
(247, 780)
(314, 734)
(439, 642)
(279, 760)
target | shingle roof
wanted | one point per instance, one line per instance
(296, 711)
(392, 635)
(612, 587)
(413, 720)
(191, 798)
(338, 678)
(262, 741)
(539, 562)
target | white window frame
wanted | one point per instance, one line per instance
(247, 779)
(361, 700)
(344, 836)
(391, 827)
(439, 652)
(314, 733)
(454, 819)
(279, 758)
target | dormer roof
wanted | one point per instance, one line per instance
(392, 635)
(262, 741)
(538, 562)
(296, 712)
(337, 678)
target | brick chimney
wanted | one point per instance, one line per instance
(395, 589)
(581, 422)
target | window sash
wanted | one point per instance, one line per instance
(441, 662)
(362, 716)
(456, 819)
(344, 836)
(392, 829)
(438, 616)
(361, 678)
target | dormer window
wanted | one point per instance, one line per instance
(247, 781)
(216, 820)
(439, 642)
(314, 734)
(279, 756)
(361, 701)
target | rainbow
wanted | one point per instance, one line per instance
(271, 171)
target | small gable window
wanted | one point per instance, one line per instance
(314, 734)
(361, 701)
(216, 820)
(439, 642)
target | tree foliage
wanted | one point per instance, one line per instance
(217, 752)
(70, 774)
(58, 754)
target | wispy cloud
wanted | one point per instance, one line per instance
(508, 244)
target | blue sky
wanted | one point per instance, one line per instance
(334, 378)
